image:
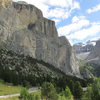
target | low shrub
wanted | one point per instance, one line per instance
(25, 95)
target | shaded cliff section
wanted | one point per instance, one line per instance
(24, 30)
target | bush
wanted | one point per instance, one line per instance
(96, 89)
(37, 97)
(61, 97)
(93, 91)
(48, 91)
(24, 94)
(66, 95)
(71, 86)
(2, 81)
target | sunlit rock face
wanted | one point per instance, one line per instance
(23, 29)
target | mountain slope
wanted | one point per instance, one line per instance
(24, 30)
(25, 70)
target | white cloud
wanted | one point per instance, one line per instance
(75, 19)
(58, 13)
(61, 3)
(56, 20)
(64, 3)
(79, 29)
(94, 9)
(86, 32)
(77, 24)
(55, 8)
(95, 38)
(76, 5)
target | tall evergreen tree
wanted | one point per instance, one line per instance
(96, 90)
(48, 91)
(71, 86)
(68, 93)
(78, 91)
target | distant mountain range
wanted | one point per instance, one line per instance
(84, 47)
(89, 52)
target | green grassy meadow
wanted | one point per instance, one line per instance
(6, 89)
(17, 98)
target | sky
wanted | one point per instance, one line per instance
(78, 20)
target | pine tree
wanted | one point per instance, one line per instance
(71, 86)
(68, 93)
(48, 91)
(78, 91)
(96, 90)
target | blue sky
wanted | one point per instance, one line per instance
(78, 20)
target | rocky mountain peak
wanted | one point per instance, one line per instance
(23, 29)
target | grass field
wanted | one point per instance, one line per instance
(6, 89)
(16, 98)
(12, 98)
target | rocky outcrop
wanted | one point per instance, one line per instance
(24, 30)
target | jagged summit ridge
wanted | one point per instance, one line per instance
(25, 30)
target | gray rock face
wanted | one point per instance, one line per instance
(23, 29)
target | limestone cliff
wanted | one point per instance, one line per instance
(24, 30)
